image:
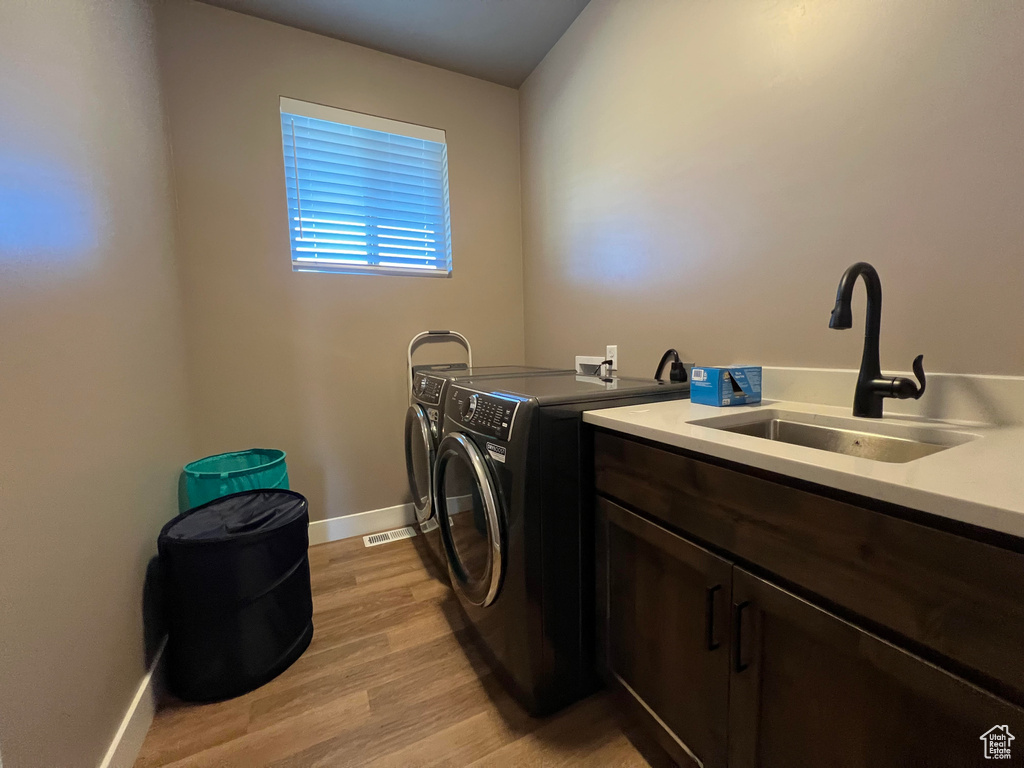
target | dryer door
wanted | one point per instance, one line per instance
(419, 460)
(470, 518)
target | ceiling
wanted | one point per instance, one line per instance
(497, 40)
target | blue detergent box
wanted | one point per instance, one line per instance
(726, 385)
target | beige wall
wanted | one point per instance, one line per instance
(699, 174)
(92, 388)
(315, 363)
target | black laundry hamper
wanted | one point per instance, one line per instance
(239, 603)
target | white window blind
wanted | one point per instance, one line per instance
(366, 195)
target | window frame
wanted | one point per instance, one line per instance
(365, 121)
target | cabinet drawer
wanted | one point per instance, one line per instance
(962, 598)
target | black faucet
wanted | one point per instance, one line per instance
(872, 387)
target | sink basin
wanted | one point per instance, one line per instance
(899, 446)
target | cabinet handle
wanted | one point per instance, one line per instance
(739, 608)
(709, 618)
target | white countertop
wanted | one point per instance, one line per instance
(979, 482)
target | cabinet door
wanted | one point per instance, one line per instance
(809, 689)
(664, 632)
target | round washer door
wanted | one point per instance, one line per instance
(419, 460)
(470, 520)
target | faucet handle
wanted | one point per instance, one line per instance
(904, 388)
(919, 372)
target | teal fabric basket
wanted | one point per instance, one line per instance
(215, 476)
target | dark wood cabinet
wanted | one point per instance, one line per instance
(665, 603)
(750, 623)
(810, 689)
(952, 596)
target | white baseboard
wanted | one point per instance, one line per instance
(127, 743)
(360, 524)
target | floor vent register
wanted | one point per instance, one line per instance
(374, 539)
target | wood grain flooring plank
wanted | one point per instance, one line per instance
(500, 722)
(342, 649)
(382, 611)
(393, 729)
(174, 734)
(285, 737)
(565, 740)
(430, 624)
(386, 570)
(289, 698)
(428, 680)
(430, 590)
(343, 598)
(326, 582)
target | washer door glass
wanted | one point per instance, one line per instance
(419, 460)
(468, 513)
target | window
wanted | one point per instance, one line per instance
(366, 195)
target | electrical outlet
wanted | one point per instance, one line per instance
(611, 352)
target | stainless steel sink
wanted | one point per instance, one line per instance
(837, 439)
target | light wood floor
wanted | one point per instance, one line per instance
(389, 680)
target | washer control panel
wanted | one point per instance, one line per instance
(486, 414)
(427, 388)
